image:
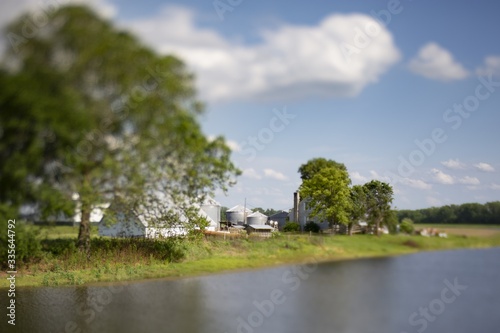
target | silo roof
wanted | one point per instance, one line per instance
(257, 214)
(239, 208)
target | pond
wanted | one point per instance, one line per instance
(452, 291)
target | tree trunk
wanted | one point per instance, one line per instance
(84, 232)
(378, 227)
(351, 226)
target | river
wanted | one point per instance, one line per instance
(451, 291)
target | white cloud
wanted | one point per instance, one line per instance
(453, 164)
(495, 186)
(434, 201)
(235, 146)
(491, 66)
(441, 177)
(436, 63)
(416, 183)
(484, 167)
(251, 173)
(270, 173)
(289, 61)
(375, 175)
(469, 181)
(357, 178)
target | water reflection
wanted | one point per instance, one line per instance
(376, 295)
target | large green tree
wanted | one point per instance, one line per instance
(328, 195)
(313, 166)
(92, 111)
(379, 196)
(358, 205)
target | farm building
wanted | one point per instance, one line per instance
(300, 213)
(257, 218)
(139, 225)
(261, 230)
(281, 218)
(33, 215)
(237, 214)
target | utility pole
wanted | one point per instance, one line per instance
(245, 212)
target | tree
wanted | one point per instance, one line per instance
(407, 226)
(358, 206)
(313, 166)
(328, 195)
(291, 227)
(119, 123)
(312, 227)
(379, 196)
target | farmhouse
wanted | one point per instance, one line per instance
(170, 220)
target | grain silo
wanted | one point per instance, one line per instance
(212, 209)
(236, 215)
(256, 218)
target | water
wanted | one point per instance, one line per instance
(373, 295)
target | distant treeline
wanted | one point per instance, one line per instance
(468, 213)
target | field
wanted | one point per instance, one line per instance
(470, 230)
(53, 232)
(136, 259)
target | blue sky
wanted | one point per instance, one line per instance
(286, 81)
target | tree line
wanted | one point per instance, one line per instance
(467, 213)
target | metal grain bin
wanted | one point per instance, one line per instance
(212, 209)
(236, 214)
(256, 218)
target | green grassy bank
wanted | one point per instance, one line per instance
(124, 260)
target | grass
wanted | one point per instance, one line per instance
(53, 232)
(125, 260)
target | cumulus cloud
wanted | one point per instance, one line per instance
(416, 183)
(441, 177)
(485, 167)
(270, 173)
(453, 164)
(491, 66)
(436, 63)
(235, 146)
(251, 173)
(288, 62)
(434, 201)
(357, 178)
(467, 180)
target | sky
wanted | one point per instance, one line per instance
(406, 92)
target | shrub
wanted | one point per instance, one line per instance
(291, 227)
(312, 227)
(27, 246)
(406, 226)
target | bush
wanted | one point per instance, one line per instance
(291, 227)
(406, 226)
(27, 246)
(312, 227)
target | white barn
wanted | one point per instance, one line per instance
(139, 225)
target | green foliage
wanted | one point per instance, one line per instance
(379, 196)
(407, 226)
(291, 227)
(89, 92)
(328, 195)
(468, 213)
(23, 241)
(312, 227)
(315, 165)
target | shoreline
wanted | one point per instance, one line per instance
(254, 255)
